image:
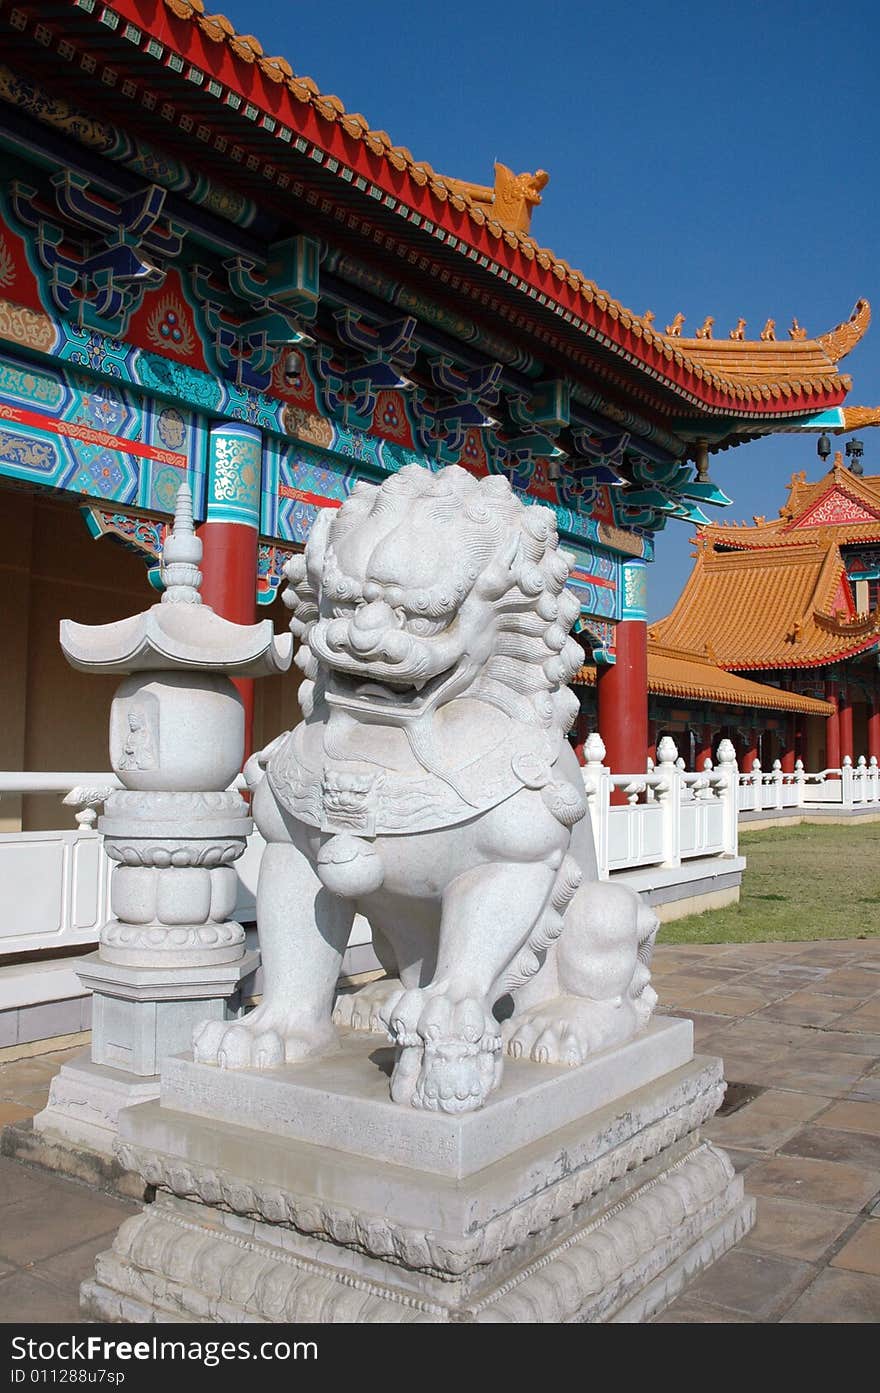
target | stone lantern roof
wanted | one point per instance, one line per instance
(180, 633)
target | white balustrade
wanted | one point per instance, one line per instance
(669, 815)
(54, 884)
(846, 786)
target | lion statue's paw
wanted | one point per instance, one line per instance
(568, 1029)
(363, 1009)
(264, 1039)
(450, 1050)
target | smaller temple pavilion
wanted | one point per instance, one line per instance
(774, 640)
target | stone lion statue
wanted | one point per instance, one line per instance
(431, 788)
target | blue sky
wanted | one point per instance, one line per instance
(715, 158)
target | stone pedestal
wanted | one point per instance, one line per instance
(302, 1193)
(140, 1016)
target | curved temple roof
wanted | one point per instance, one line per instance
(781, 366)
(675, 673)
(780, 608)
(753, 381)
(845, 502)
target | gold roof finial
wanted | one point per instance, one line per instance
(510, 200)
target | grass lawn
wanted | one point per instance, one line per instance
(801, 883)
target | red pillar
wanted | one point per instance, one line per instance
(846, 725)
(874, 728)
(704, 748)
(832, 727)
(582, 730)
(623, 700)
(788, 755)
(622, 687)
(752, 750)
(800, 739)
(230, 536)
(229, 586)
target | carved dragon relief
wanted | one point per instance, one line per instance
(430, 787)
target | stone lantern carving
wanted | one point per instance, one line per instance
(176, 744)
(171, 954)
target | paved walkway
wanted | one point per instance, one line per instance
(798, 1027)
(800, 1024)
(51, 1230)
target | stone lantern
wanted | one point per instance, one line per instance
(171, 955)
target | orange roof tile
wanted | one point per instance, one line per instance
(857, 417)
(779, 607)
(779, 367)
(674, 673)
(754, 375)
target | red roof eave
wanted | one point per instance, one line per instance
(251, 84)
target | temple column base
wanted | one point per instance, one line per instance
(605, 1218)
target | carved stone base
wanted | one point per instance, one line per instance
(604, 1219)
(139, 1017)
(177, 945)
(85, 1101)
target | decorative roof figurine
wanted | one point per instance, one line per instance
(511, 200)
(739, 333)
(768, 333)
(705, 329)
(674, 329)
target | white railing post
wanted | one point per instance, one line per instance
(799, 781)
(757, 779)
(669, 798)
(846, 775)
(728, 793)
(860, 780)
(777, 780)
(874, 778)
(597, 787)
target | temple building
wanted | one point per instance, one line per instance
(211, 271)
(775, 638)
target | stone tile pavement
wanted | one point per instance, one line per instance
(50, 1229)
(798, 1027)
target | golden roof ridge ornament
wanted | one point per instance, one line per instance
(858, 417)
(842, 340)
(835, 344)
(512, 198)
